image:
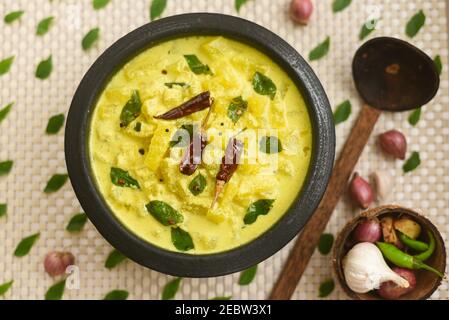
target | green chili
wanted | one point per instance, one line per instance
(428, 253)
(404, 260)
(411, 243)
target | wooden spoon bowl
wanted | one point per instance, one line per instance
(426, 282)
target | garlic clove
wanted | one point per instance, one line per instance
(383, 184)
(365, 269)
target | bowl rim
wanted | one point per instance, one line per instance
(246, 255)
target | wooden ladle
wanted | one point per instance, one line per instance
(390, 75)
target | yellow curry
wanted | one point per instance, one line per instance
(136, 157)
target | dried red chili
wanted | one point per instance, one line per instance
(198, 103)
(229, 164)
(192, 156)
(194, 153)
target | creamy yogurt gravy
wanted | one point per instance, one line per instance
(277, 176)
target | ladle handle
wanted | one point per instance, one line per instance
(309, 237)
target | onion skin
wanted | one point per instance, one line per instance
(56, 263)
(368, 230)
(301, 10)
(362, 193)
(393, 143)
(389, 290)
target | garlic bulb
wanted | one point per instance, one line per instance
(365, 269)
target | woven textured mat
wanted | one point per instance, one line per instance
(38, 156)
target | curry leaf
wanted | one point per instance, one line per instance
(237, 108)
(56, 291)
(414, 117)
(55, 123)
(270, 145)
(4, 112)
(222, 298)
(13, 16)
(181, 239)
(90, 38)
(114, 259)
(5, 287)
(131, 110)
(264, 85)
(260, 207)
(3, 209)
(412, 163)
(76, 223)
(239, 4)
(24, 247)
(98, 4)
(196, 65)
(438, 64)
(326, 288)
(415, 24)
(5, 167)
(320, 50)
(340, 5)
(342, 112)
(367, 28)
(177, 141)
(171, 288)
(247, 276)
(43, 26)
(44, 68)
(117, 295)
(55, 183)
(173, 84)
(5, 65)
(164, 213)
(326, 243)
(198, 184)
(157, 8)
(122, 178)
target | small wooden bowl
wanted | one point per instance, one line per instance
(426, 282)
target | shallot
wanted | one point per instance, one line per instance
(390, 290)
(361, 192)
(301, 10)
(56, 263)
(393, 143)
(368, 230)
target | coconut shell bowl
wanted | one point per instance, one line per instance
(426, 282)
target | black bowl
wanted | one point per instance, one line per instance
(181, 264)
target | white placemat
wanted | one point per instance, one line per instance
(37, 156)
